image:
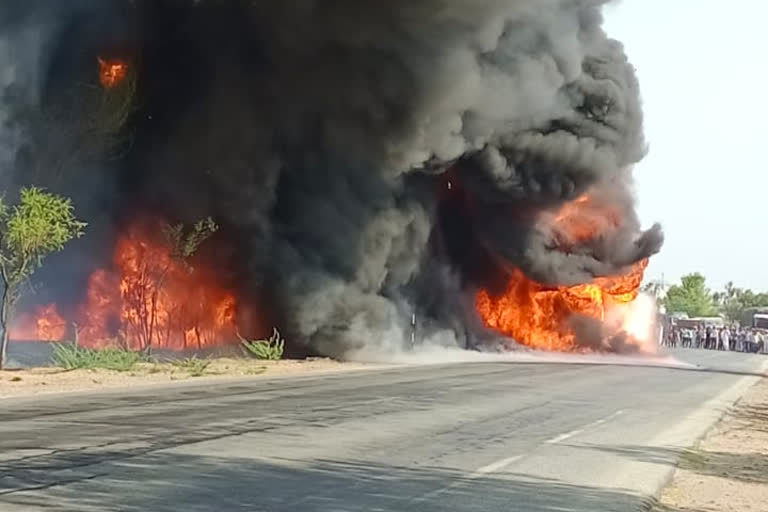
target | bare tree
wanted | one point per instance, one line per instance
(143, 293)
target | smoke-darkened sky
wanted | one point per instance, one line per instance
(703, 78)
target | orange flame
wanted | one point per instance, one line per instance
(150, 298)
(154, 299)
(540, 317)
(583, 219)
(112, 72)
(44, 325)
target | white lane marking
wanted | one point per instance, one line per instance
(494, 467)
(573, 433)
(502, 464)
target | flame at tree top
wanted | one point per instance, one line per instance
(541, 316)
(112, 72)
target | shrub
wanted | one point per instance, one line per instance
(72, 357)
(193, 365)
(270, 349)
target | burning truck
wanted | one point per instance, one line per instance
(369, 163)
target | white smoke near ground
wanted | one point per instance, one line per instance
(636, 322)
(437, 355)
(640, 321)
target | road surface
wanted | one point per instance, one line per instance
(463, 437)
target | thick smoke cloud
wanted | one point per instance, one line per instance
(324, 132)
(23, 51)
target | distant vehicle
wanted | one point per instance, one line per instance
(694, 323)
(760, 321)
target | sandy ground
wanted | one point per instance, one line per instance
(34, 381)
(728, 472)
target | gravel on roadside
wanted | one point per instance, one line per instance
(33, 381)
(728, 471)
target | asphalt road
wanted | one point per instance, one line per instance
(463, 437)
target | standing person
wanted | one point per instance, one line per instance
(708, 342)
(726, 339)
(750, 341)
(687, 338)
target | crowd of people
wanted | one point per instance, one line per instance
(738, 339)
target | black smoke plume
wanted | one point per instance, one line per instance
(371, 160)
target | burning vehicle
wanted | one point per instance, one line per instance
(369, 163)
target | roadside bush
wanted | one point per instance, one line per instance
(72, 357)
(195, 366)
(270, 349)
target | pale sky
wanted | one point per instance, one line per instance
(703, 70)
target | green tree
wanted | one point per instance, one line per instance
(728, 301)
(750, 299)
(691, 296)
(733, 301)
(40, 224)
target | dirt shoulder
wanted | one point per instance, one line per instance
(728, 471)
(16, 383)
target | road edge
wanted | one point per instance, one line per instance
(196, 382)
(690, 432)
